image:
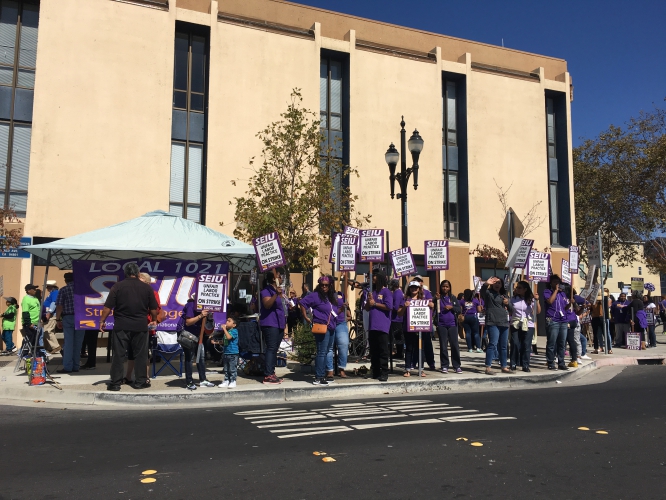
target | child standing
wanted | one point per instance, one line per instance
(8, 325)
(230, 353)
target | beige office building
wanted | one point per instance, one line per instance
(112, 108)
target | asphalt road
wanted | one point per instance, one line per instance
(532, 447)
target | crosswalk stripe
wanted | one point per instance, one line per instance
(278, 414)
(385, 403)
(394, 424)
(271, 410)
(443, 412)
(270, 426)
(472, 419)
(358, 413)
(415, 407)
(468, 416)
(348, 404)
(376, 417)
(314, 432)
(308, 417)
(296, 429)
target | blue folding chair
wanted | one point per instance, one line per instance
(167, 352)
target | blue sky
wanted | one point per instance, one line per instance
(615, 50)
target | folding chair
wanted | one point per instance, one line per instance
(166, 346)
(30, 336)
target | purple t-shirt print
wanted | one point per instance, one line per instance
(380, 320)
(398, 301)
(446, 316)
(469, 308)
(321, 310)
(273, 316)
(557, 310)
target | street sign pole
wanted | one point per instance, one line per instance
(604, 301)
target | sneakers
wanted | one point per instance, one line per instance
(470, 350)
(564, 367)
(479, 351)
(319, 381)
(191, 387)
(573, 364)
(271, 379)
(206, 383)
(12, 350)
(458, 370)
(445, 370)
(224, 384)
(585, 357)
(232, 384)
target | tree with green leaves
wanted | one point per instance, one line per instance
(619, 186)
(299, 188)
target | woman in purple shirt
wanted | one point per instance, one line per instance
(272, 321)
(324, 304)
(471, 306)
(447, 327)
(525, 308)
(379, 305)
(556, 303)
(341, 339)
(414, 292)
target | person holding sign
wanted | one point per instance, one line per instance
(194, 321)
(340, 339)
(557, 326)
(447, 327)
(428, 350)
(414, 292)
(650, 310)
(637, 317)
(272, 321)
(396, 319)
(525, 308)
(497, 322)
(379, 306)
(620, 310)
(324, 304)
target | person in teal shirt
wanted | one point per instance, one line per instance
(8, 325)
(30, 304)
(230, 353)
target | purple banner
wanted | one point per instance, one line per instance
(372, 245)
(269, 251)
(175, 282)
(436, 254)
(403, 262)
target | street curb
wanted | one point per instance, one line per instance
(285, 393)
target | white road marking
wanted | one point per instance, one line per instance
(314, 432)
(290, 419)
(441, 412)
(348, 404)
(279, 414)
(272, 410)
(376, 417)
(472, 419)
(468, 416)
(310, 429)
(394, 424)
(292, 424)
(385, 403)
(415, 407)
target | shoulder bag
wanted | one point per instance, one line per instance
(320, 328)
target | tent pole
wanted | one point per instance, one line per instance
(40, 324)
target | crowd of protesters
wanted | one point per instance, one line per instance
(492, 320)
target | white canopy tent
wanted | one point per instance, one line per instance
(156, 235)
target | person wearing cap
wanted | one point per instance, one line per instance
(71, 358)
(272, 320)
(428, 349)
(379, 307)
(9, 325)
(51, 343)
(413, 292)
(447, 329)
(557, 325)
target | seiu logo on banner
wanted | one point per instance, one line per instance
(173, 280)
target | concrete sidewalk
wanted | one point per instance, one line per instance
(89, 387)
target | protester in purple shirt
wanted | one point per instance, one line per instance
(621, 312)
(556, 322)
(341, 340)
(428, 350)
(272, 321)
(414, 292)
(396, 332)
(379, 305)
(526, 306)
(324, 304)
(447, 328)
(471, 306)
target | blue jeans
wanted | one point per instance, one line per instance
(497, 335)
(71, 359)
(557, 338)
(9, 343)
(190, 355)
(341, 339)
(230, 367)
(471, 327)
(583, 345)
(324, 343)
(272, 338)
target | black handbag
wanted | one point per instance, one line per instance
(187, 340)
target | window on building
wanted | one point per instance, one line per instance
(18, 55)
(450, 160)
(552, 173)
(640, 271)
(188, 128)
(608, 274)
(332, 97)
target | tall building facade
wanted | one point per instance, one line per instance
(112, 108)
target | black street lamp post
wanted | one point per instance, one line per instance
(392, 156)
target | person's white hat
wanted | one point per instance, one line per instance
(414, 283)
(51, 283)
